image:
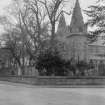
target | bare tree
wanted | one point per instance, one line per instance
(53, 9)
(31, 26)
(26, 34)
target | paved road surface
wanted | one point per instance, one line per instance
(18, 94)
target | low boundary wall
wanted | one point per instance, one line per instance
(44, 80)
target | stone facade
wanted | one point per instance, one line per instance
(74, 38)
(77, 47)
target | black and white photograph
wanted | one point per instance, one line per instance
(52, 52)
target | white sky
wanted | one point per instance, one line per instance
(83, 3)
(3, 4)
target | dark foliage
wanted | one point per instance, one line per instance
(96, 15)
(91, 65)
(81, 65)
(50, 63)
(92, 37)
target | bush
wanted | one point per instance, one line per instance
(50, 63)
(82, 66)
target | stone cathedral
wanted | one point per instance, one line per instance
(75, 40)
(74, 36)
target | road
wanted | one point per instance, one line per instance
(19, 94)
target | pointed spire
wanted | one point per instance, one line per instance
(61, 31)
(77, 24)
(62, 22)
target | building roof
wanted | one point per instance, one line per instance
(77, 23)
(62, 22)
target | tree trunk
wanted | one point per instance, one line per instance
(19, 71)
(52, 41)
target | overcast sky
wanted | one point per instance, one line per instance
(3, 4)
(83, 3)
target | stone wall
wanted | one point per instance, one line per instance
(56, 80)
(71, 81)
